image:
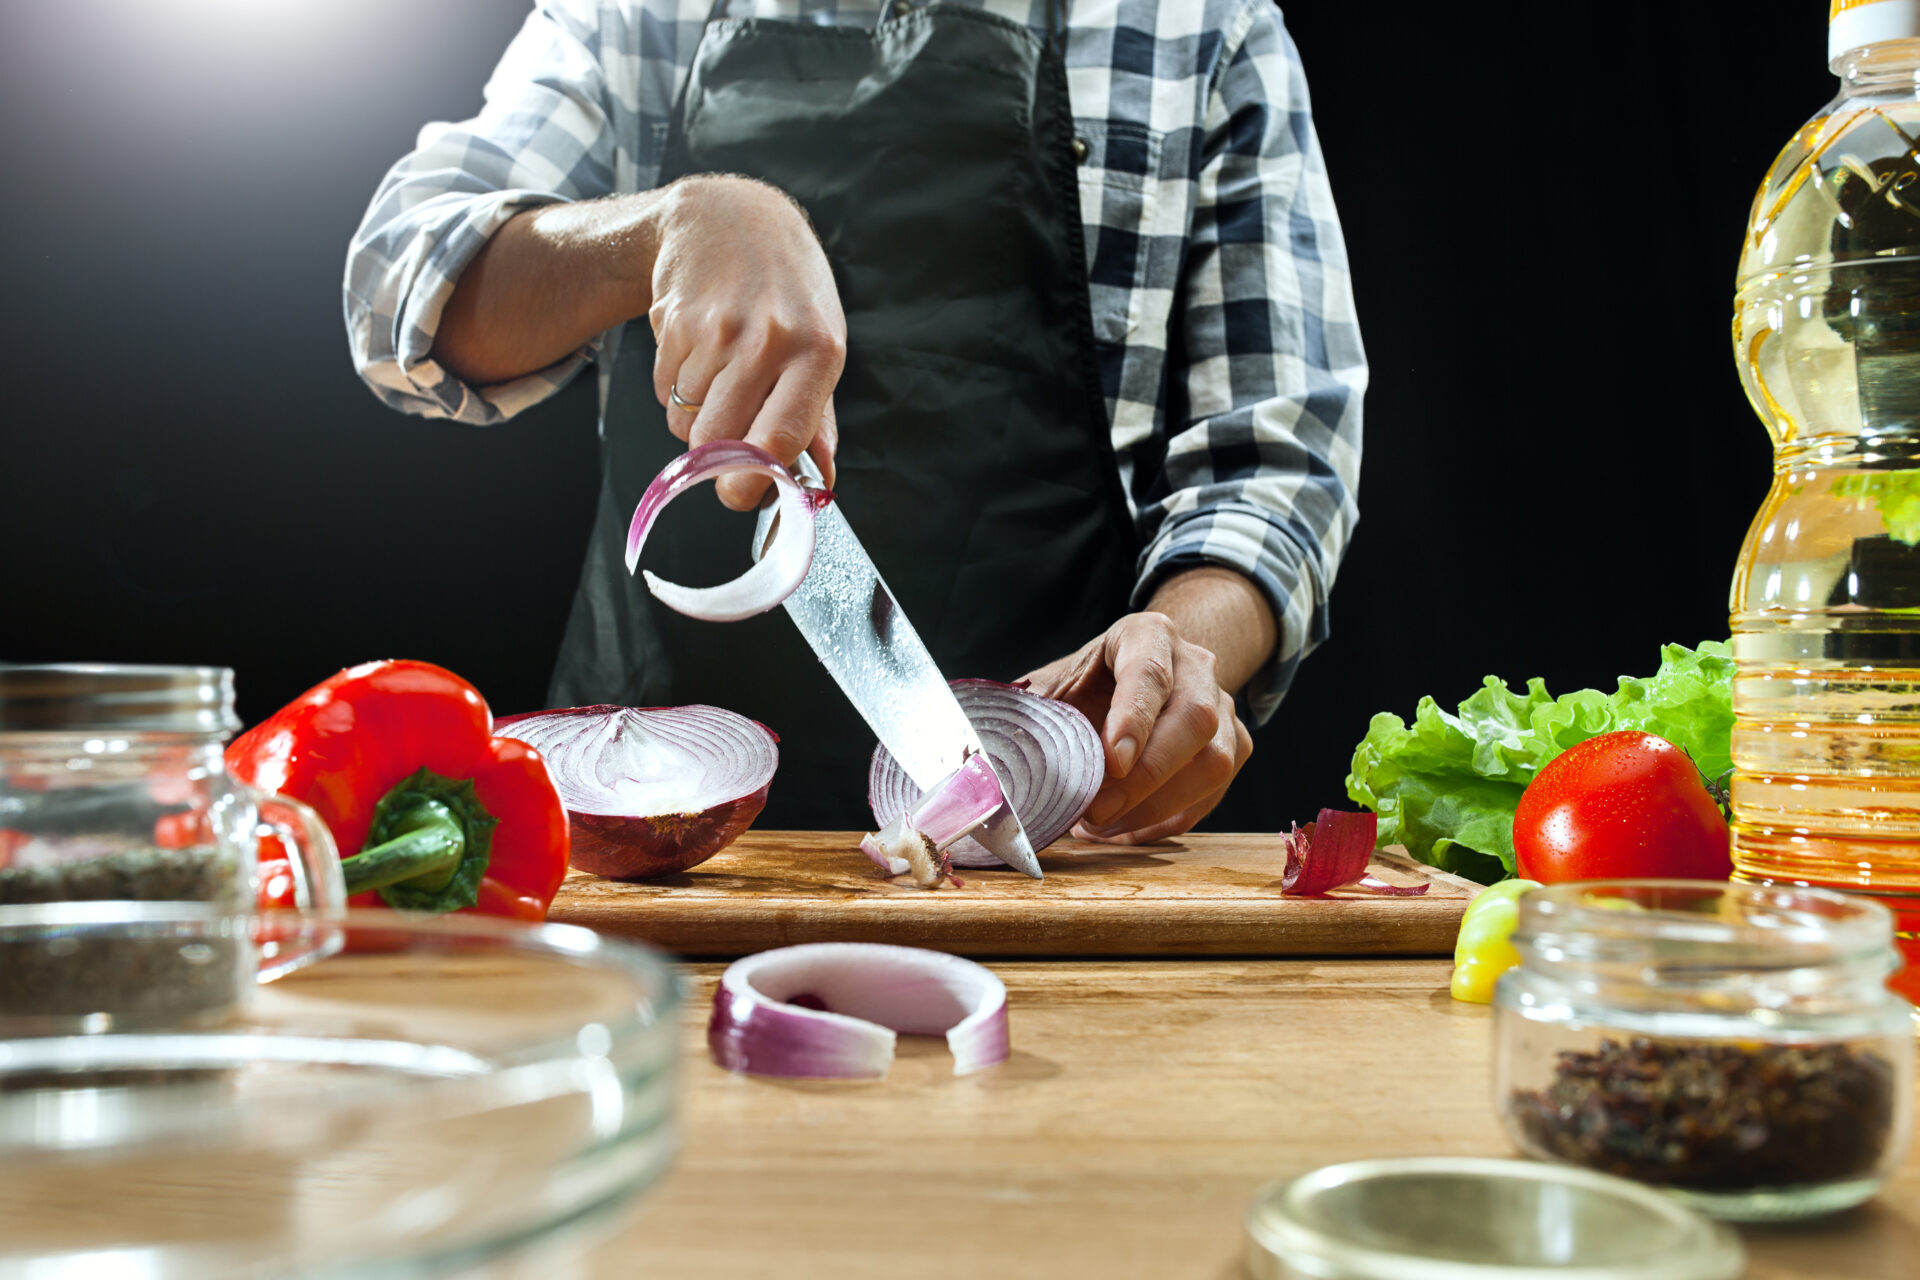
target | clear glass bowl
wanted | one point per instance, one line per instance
(441, 1093)
(1733, 1045)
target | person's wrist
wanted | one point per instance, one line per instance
(1225, 612)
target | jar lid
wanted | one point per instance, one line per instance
(1455, 1218)
(99, 698)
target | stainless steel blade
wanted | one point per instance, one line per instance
(853, 623)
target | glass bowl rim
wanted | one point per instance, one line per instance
(540, 1060)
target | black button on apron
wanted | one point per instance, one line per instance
(935, 157)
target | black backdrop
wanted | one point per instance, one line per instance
(1542, 206)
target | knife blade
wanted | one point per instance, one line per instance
(851, 620)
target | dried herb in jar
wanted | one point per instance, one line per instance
(195, 874)
(146, 972)
(1715, 1116)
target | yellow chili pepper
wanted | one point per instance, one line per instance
(1484, 949)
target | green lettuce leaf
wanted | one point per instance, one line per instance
(1446, 787)
(1895, 493)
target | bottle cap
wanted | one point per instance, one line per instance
(1855, 24)
(1457, 1218)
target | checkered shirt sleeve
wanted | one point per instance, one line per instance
(544, 135)
(1260, 472)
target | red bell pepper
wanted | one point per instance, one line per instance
(430, 810)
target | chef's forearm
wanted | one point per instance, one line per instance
(1225, 612)
(547, 283)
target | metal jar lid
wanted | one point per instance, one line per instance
(1447, 1218)
(100, 698)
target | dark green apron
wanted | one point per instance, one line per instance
(934, 154)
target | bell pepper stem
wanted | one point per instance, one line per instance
(426, 854)
(427, 846)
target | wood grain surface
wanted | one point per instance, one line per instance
(1143, 1106)
(1205, 895)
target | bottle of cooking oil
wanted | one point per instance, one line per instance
(1826, 596)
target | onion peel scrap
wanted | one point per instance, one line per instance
(834, 1009)
(1332, 852)
(916, 840)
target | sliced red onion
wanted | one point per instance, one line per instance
(1047, 754)
(831, 1009)
(916, 837)
(1332, 852)
(650, 791)
(782, 565)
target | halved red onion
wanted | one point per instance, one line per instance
(1048, 756)
(653, 790)
(917, 837)
(782, 565)
(1332, 852)
(831, 1009)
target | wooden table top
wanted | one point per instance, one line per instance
(1143, 1106)
(1201, 895)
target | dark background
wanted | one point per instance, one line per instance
(1542, 211)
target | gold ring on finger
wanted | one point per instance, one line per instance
(681, 402)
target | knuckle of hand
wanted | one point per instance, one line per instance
(818, 343)
(725, 325)
(1203, 718)
(1201, 659)
(1156, 674)
(1217, 765)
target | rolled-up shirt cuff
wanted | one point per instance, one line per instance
(1258, 544)
(445, 235)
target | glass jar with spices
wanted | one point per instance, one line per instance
(1734, 1045)
(131, 862)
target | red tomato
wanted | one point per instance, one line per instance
(1620, 806)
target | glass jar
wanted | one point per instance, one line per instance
(116, 808)
(1734, 1045)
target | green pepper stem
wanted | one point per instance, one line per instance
(426, 853)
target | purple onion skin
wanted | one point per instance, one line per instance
(623, 848)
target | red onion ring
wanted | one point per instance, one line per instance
(782, 565)
(831, 1009)
(650, 791)
(1047, 754)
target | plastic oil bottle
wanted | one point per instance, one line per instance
(1826, 596)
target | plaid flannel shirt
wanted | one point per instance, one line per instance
(1222, 308)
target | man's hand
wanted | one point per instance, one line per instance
(736, 287)
(1172, 739)
(1162, 703)
(748, 324)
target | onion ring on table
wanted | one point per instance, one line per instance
(831, 1010)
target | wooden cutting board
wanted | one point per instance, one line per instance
(1204, 895)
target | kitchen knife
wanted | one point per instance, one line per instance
(851, 620)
